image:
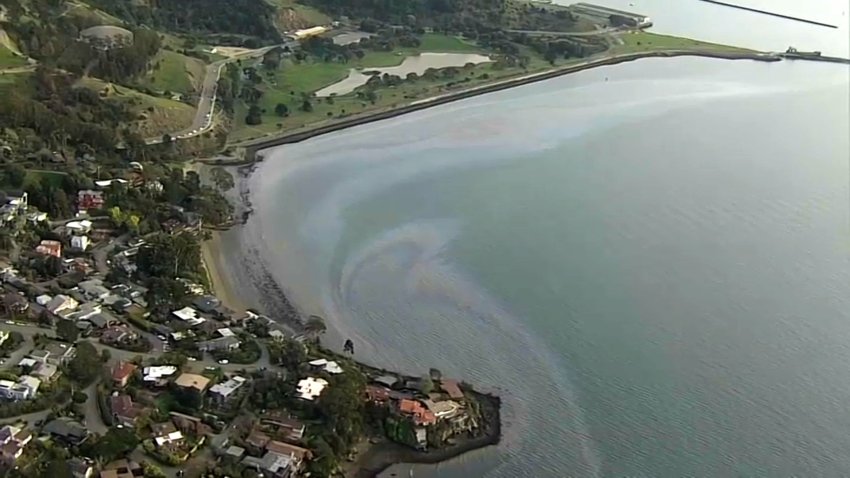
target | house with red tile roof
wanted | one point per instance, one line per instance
(121, 373)
(420, 415)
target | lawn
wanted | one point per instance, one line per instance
(54, 178)
(175, 72)
(301, 15)
(643, 41)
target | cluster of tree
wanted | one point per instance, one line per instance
(243, 17)
(169, 256)
(115, 443)
(62, 114)
(86, 364)
(341, 409)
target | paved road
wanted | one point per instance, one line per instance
(206, 104)
(601, 31)
(91, 410)
(28, 331)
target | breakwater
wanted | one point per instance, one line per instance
(772, 14)
(252, 147)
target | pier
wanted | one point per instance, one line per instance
(764, 12)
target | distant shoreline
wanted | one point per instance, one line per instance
(252, 147)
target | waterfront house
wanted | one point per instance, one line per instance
(414, 410)
(330, 367)
(452, 389)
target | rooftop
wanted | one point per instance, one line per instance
(226, 388)
(191, 380)
(311, 387)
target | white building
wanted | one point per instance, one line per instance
(25, 388)
(61, 303)
(189, 315)
(172, 437)
(311, 387)
(154, 374)
(80, 243)
(222, 392)
(330, 367)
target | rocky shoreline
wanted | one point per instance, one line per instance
(274, 303)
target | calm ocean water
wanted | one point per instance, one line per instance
(649, 262)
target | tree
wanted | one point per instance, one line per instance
(288, 353)
(105, 355)
(79, 397)
(315, 325)
(222, 179)
(86, 365)
(306, 106)
(254, 116)
(15, 175)
(281, 110)
(426, 385)
(67, 331)
(170, 257)
(116, 443)
(166, 138)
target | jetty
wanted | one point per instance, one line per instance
(772, 14)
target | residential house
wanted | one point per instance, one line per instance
(330, 367)
(443, 409)
(101, 320)
(189, 315)
(84, 311)
(124, 411)
(81, 468)
(377, 394)
(189, 424)
(15, 304)
(281, 460)
(79, 228)
(49, 248)
(191, 380)
(89, 199)
(388, 381)
(234, 453)
(452, 388)
(288, 429)
(311, 387)
(66, 430)
(122, 372)
(118, 334)
(257, 441)
(206, 303)
(221, 344)
(80, 243)
(122, 469)
(157, 375)
(61, 303)
(24, 389)
(55, 353)
(222, 393)
(414, 410)
(44, 371)
(12, 443)
(93, 289)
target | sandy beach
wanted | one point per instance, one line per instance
(211, 251)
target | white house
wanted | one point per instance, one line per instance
(80, 243)
(328, 366)
(311, 387)
(221, 392)
(189, 315)
(153, 374)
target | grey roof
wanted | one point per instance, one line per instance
(106, 32)
(66, 427)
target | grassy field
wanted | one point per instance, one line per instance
(9, 59)
(157, 115)
(288, 83)
(175, 72)
(53, 178)
(643, 41)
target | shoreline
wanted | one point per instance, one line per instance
(254, 146)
